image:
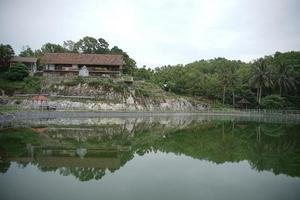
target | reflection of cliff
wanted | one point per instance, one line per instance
(86, 152)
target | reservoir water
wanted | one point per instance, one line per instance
(150, 158)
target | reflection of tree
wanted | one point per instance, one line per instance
(86, 174)
(275, 150)
(4, 166)
(265, 146)
(269, 147)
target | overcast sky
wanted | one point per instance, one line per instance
(158, 32)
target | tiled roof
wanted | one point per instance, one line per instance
(23, 59)
(82, 59)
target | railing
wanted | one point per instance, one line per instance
(255, 111)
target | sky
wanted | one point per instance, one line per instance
(158, 32)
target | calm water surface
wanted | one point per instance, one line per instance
(149, 158)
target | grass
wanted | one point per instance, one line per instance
(147, 89)
(73, 82)
(8, 109)
(109, 85)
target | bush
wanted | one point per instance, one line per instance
(108, 85)
(76, 81)
(32, 84)
(28, 85)
(17, 72)
(142, 92)
(273, 102)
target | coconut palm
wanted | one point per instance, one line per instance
(225, 82)
(261, 77)
(233, 81)
(283, 79)
(229, 79)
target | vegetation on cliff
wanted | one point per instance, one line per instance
(271, 82)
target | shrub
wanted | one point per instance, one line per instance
(108, 84)
(76, 81)
(142, 92)
(32, 84)
(17, 72)
(273, 102)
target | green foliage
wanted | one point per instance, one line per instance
(230, 81)
(52, 48)
(32, 84)
(90, 45)
(6, 53)
(147, 89)
(17, 72)
(108, 85)
(261, 77)
(142, 73)
(86, 45)
(76, 81)
(69, 45)
(139, 92)
(27, 52)
(28, 85)
(129, 64)
(273, 102)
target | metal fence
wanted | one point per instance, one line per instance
(255, 111)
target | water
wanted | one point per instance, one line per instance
(150, 158)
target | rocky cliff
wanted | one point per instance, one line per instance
(107, 94)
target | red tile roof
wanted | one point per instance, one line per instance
(82, 59)
(23, 59)
(40, 98)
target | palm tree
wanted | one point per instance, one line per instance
(225, 81)
(283, 79)
(229, 79)
(261, 77)
(233, 81)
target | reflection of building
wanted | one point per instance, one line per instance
(94, 158)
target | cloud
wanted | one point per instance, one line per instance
(158, 32)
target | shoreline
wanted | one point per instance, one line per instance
(34, 115)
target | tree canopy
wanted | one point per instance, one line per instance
(17, 72)
(228, 81)
(6, 53)
(85, 45)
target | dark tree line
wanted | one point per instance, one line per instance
(268, 82)
(86, 45)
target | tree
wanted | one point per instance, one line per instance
(261, 77)
(143, 73)
(283, 78)
(17, 72)
(70, 46)
(26, 52)
(52, 48)
(87, 45)
(225, 81)
(103, 46)
(129, 63)
(6, 53)
(233, 82)
(227, 77)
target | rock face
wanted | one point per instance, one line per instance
(106, 94)
(129, 104)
